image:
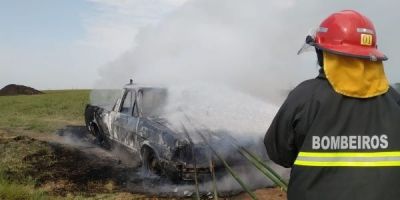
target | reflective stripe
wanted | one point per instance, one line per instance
(365, 30)
(347, 164)
(348, 159)
(350, 154)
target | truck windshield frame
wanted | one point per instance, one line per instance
(131, 94)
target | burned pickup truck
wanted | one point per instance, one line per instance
(135, 123)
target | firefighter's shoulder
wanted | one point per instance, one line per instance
(306, 89)
(395, 94)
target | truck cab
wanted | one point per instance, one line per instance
(136, 102)
(137, 121)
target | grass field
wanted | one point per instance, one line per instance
(37, 114)
(40, 116)
(42, 113)
(15, 182)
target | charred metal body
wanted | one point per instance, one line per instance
(135, 123)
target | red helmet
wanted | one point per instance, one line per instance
(348, 33)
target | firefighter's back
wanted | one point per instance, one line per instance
(349, 148)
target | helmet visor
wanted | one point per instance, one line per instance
(309, 42)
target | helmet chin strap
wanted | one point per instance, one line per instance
(320, 56)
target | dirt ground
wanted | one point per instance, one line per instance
(13, 89)
(70, 163)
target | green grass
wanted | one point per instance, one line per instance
(10, 191)
(15, 182)
(38, 114)
(19, 158)
(43, 113)
(22, 157)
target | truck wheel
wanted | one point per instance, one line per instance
(150, 162)
(100, 138)
(174, 176)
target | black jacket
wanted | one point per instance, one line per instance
(338, 147)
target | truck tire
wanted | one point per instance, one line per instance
(100, 138)
(150, 162)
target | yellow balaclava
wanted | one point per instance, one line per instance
(355, 77)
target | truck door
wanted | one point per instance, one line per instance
(124, 122)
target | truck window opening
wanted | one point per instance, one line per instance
(152, 102)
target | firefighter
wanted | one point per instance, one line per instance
(340, 132)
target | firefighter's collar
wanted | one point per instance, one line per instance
(321, 74)
(355, 77)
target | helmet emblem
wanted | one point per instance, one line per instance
(366, 39)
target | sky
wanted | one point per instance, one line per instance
(67, 44)
(50, 44)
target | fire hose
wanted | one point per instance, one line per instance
(214, 180)
(230, 170)
(251, 157)
(195, 164)
(259, 164)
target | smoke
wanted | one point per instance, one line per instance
(226, 185)
(104, 97)
(218, 108)
(249, 45)
(229, 64)
(235, 43)
(79, 138)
